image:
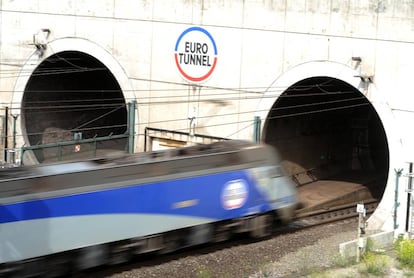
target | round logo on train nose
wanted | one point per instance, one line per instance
(234, 194)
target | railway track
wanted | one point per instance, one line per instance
(332, 214)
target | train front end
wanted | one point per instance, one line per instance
(278, 188)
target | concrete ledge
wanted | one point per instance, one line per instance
(381, 240)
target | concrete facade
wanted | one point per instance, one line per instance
(264, 46)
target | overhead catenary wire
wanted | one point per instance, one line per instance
(163, 100)
(116, 106)
(232, 94)
(250, 121)
(97, 118)
(259, 90)
(28, 105)
(74, 105)
(82, 107)
(215, 125)
(150, 100)
(239, 96)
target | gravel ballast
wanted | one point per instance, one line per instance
(283, 255)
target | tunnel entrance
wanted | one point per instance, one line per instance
(73, 95)
(325, 129)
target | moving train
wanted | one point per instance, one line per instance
(73, 216)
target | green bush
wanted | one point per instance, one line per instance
(376, 264)
(404, 249)
(339, 260)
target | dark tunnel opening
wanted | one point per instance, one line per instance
(327, 127)
(73, 93)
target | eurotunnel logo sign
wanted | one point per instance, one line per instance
(234, 194)
(195, 54)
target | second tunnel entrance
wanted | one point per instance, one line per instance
(325, 129)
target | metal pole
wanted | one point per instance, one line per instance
(14, 130)
(396, 203)
(361, 227)
(358, 250)
(145, 138)
(257, 128)
(409, 188)
(131, 126)
(14, 137)
(6, 135)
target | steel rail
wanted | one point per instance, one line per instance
(332, 214)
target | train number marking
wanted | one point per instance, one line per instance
(185, 204)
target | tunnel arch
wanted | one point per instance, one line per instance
(324, 124)
(307, 130)
(82, 85)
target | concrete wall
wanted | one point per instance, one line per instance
(262, 45)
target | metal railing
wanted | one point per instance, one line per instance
(75, 143)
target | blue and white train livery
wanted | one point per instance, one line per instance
(89, 213)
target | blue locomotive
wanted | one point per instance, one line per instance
(78, 215)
